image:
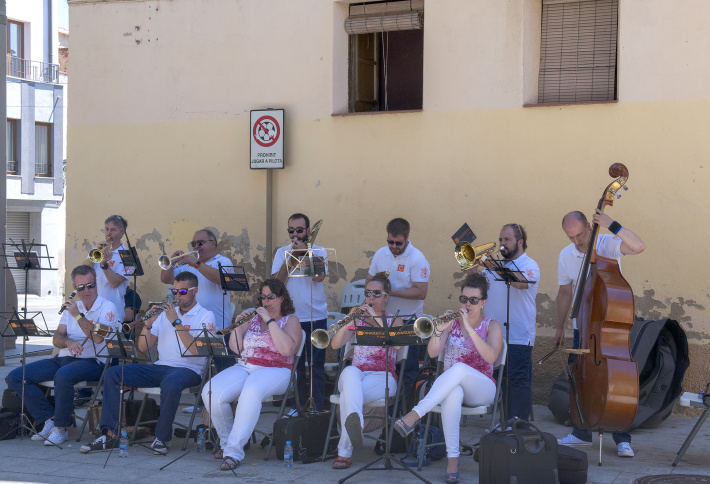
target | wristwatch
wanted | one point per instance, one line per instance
(104, 266)
(176, 322)
(197, 264)
(79, 316)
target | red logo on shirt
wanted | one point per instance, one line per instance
(111, 263)
(529, 272)
(400, 268)
(425, 271)
(187, 326)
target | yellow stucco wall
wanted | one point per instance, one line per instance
(161, 91)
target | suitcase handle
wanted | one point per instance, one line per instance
(532, 444)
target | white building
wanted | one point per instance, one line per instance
(35, 137)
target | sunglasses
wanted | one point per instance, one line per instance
(298, 230)
(267, 296)
(375, 293)
(472, 300)
(81, 287)
(199, 243)
(182, 292)
(397, 243)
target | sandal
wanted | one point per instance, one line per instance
(219, 454)
(229, 464)
(451, 477)
(402, 428)
(341, 463)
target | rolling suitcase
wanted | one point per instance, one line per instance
(572, 465)
(518, 456)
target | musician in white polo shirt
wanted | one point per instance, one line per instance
(409, 276)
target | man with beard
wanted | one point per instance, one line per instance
(308, 295)
(513, 242)
(409, 276)
(622, 242)
(173, 372)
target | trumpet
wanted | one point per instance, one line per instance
(469, 256)
(237, 322)
(96, 255)
(149, 314)
(166, 262)
(320, 338)
(293, 260)
(425, 327)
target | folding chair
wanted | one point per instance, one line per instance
(284, 397)
(400, 360)
(691, 400)
(466, 411)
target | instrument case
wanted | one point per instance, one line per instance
(9, 424)
(307, 433)
(518, 456)
(572, 465)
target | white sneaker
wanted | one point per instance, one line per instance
(46, 430)
(190, 409)
(59, 435)
(572, 441)
(624, 450)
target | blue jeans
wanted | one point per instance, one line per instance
(66, 371)
(520, 385)
(586, 434)
(172, 381)
(316, 358)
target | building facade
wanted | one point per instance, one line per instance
(441, 111)
(35, 138)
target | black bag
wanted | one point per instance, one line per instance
(572, 465)
(519, 455)
(307, 433)
(398, 444)
(150, 412)
(9, 425)
(558, 401)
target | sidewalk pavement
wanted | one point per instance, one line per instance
(28, 461)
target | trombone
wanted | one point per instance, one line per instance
(469, 256)
(96, 255)
(166, 262)
(425, 327)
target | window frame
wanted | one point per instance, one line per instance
(49, 150)
(12, 136)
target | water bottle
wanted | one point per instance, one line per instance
(201, 441)
(288, 454)
(123, 445)
(420, 448)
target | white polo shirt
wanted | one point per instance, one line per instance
(210, 295)
(170, 347)
(523, 312)
(114, 294)
(102, 311)
(570, 261)
(308, 295)
(409, 267)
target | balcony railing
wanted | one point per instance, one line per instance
(32, 70)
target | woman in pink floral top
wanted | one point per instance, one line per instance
(364, 381)
(267, 345)
(472, 343)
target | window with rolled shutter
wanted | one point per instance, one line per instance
(578, 51)
(18, 229)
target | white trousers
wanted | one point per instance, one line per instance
(458, 385)
(357, 388)
(251, 384)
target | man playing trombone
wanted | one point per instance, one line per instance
(111, 276)
(311, 306)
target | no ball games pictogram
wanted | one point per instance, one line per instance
(266, 131)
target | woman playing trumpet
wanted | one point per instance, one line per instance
(364, 380)
(268, 344)
(472, 344)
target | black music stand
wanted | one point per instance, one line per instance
(24, 327)
(129, 258)
(386, 337)
(206, 346)
(121, 348)
(234, 279)
(502, 272)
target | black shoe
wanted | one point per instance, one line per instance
(102, 443)
(159, 447)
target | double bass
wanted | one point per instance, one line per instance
(604, 382)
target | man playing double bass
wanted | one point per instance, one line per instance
(621, 241)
